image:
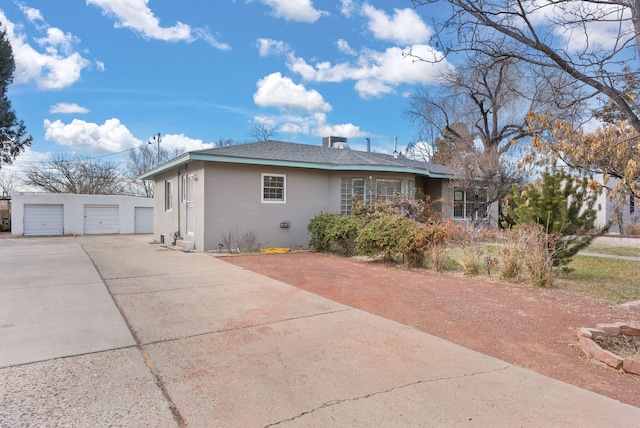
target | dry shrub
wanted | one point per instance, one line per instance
(470, 259)
(527, 250)
(539, 256)
(468, 238)
(632, 229)
(248, 240)
(438, 256)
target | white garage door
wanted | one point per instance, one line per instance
(143, 222)
(100, 219)
(43, 219)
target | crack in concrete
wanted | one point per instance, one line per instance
(132, 293)
(244, 327)
(156, 275)
(385, 391)
(148, 361)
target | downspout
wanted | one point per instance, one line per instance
(180, 199)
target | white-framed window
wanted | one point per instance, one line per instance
(470, 204)
(274, 188)
(168, 195)
(372, 189)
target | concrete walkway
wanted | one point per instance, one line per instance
(166, 338)
(609, 256)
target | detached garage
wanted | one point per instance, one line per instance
(37, 214)
(41, 219)
(99, 219)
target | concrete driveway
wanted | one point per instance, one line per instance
(115, 331)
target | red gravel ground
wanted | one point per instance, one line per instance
(529, 327)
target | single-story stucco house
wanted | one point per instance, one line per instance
(621, 210)
(270, 190)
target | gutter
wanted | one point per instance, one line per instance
(188, 157)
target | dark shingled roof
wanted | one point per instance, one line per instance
(271, 150)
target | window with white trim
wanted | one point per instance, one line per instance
(274, 188)
(471, 204)
(168, 195)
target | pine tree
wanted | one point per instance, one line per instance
(13, 138)
(565, 206)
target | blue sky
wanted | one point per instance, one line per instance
(104, 76)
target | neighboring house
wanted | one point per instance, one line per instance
(270, 190)
(620, 210)
(5, 213)
(38, 214)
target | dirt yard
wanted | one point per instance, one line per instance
(529, 327)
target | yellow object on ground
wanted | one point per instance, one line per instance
(276, 250)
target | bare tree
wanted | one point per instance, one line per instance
(143, 159)
(75, 174)
(478, 115)
(224, 142)
(8, 183)
(262, 131)
(562, 39)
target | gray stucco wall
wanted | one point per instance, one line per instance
(233, 204)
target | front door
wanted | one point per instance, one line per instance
(190, 204)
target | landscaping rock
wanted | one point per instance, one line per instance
(631, 366)
(629, 329)
(635, 305)
(585, 332)
(592, 349)
(612, 329)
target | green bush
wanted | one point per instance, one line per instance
(393, 235)
(382, 235)
(330, 229)
(342, 232)
(318, 227)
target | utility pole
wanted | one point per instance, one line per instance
(158, 139)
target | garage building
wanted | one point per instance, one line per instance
(41, 214)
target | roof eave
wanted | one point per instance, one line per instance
(187, 157)
(180, 160)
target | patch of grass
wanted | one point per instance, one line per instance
(603, 248)
(616, 281)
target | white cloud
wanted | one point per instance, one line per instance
(24, 160)
(136, 15)
(33, 15)
(100, 65)
(346, 8)
(110, 137)
(21, 164)
(601, 30)
(405, 26)
(180, 142)
(375, 73)
(281, 92)
(343, 46)
(267, 47)
(58, 66)
(313, 124)
(295, 10)
(207, 37)
(68, 108)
